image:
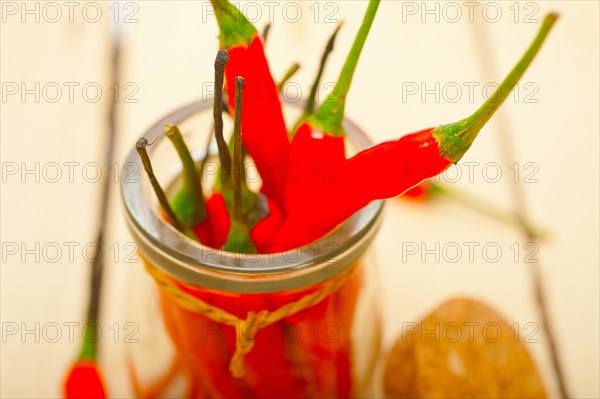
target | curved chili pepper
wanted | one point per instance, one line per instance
(318, 148)
(391, 168)
(263, 127)
(318, 143)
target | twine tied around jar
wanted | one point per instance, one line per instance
(244, 342)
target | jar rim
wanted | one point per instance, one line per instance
(196, 264)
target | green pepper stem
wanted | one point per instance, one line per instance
(312, 97)
(191, 178)
(223, 183)
(235, 29)
(310, 102)
(456, 138)
(330, 114)
(238, 239)
(265, 32)
(238, 158)
(224, 155)
(291, 71)
(89, 346)
(160, 194)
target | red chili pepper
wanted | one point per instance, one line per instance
(318, 144)
(214, 230)
(84, 381)
(418, 193)
(210, 345)
(200, 343)
(263, 126)
(322, 351)
(317, 149)
(262, 232)
(385, 170)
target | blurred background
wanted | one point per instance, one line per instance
(424, 64)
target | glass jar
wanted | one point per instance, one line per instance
(210, 324)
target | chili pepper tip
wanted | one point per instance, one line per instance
(221, 60)
(288, 75)
(169, 129)
(265, 33)
(141, 144)
(222, 57)
(188, 204)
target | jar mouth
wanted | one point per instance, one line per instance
(191, 262)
